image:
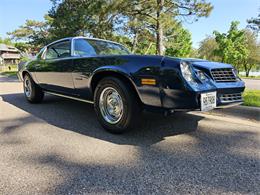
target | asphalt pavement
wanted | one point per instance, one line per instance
(58, 147)
(252, 83)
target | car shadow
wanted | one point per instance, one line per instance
(214, 162)
(80, 117)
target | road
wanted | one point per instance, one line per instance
(58, 147)
(252, 83)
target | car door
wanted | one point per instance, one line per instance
(84, 62)
(54, 72)
(88, 56)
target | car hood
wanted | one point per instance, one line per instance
(208, 65)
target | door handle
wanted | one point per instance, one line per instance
(78, 78)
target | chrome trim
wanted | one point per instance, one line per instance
(111, 105)
(60, 40)
(27, 87)
(223, 75)
(229, 98)
(43, 56)
(69, 97)
(44, 53)
(95, 39)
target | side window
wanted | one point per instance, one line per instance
(83, 48)
(58, 50)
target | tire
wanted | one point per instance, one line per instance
(33, 93)
(113, 96)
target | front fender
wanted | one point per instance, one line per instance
(112, 71)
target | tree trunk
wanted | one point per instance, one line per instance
(247, 68)
(159, 30)
(134, 42)
(247, 73)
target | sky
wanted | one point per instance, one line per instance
(14, 13)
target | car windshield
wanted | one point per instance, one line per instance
(89, 47)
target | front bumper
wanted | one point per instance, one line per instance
(228, 94)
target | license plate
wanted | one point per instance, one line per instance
(208, 101)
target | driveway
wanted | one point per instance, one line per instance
(252, 83)
(58, 147)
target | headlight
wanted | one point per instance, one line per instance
(201, 75)
(186, 71)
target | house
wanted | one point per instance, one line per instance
(9, 54)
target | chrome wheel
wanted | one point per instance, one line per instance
(27, 87)
(111, 105)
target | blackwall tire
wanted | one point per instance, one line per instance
(33, 93)
(116, 105)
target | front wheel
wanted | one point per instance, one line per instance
(33, 93)
(116, 105)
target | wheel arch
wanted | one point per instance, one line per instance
(98, 76)
(26, 72)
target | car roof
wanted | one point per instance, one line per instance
(81, 37)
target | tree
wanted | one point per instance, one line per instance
(23, 47)
(33, 32)
(194, 53)
(254, 24)
(103, 19)
(231, 46)
(178, 42)
(6, 41)
(159, 14)
(83, 17)
(207, 48)
(253, 47)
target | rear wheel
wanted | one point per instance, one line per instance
(33, 93)
(116, 105)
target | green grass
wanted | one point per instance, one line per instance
(252, 98)
(4, 70)
(9, 73)
(249, 77)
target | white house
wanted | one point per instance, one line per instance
(9, 54)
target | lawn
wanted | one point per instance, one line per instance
(9, 73)
(249, 77)
(4, 70)
(252, 98)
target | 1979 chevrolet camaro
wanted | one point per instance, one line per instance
(120, 84)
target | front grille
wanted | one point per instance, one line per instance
(233, 97)
(223, 75)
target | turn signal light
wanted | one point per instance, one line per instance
(148, 81)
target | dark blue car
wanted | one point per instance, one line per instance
(121, 85)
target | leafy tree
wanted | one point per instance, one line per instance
(231, 45)
(23, 47)
(253, 47)
(254, 23)
(104, 19)
(83, 17)
(33, 32)
(158, 15)
(194, 53)
(179, 42)
(207, 49)
(6, 41)
(146, 26)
